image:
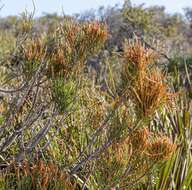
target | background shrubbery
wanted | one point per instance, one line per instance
(96, 101)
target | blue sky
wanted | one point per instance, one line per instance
(14, 7)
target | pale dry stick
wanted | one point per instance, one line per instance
(19, 104)
(10, 139)
(130, 184)
(18, 131)
(30, 120)
(34, 102)
(114, 184)
(91, 156)
(14, 90)
(35, 78)
(100, 129)
(84, 186)
(22, 87)
(64, 117)
(42, 132)
(20, 141)
(30, 123)
(30, 111)
(128, 169)
(8, 115)
(57, 130)
(99, 150)
(94, 136)
(48, 141)
(34, 142)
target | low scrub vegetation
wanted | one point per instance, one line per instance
(81, 111)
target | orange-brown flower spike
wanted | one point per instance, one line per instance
(96, 30)
(143, 84)
(160, 149)
(150, 93)
(73, 44)
(139, 139)
(34, 49)
(138, 57)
